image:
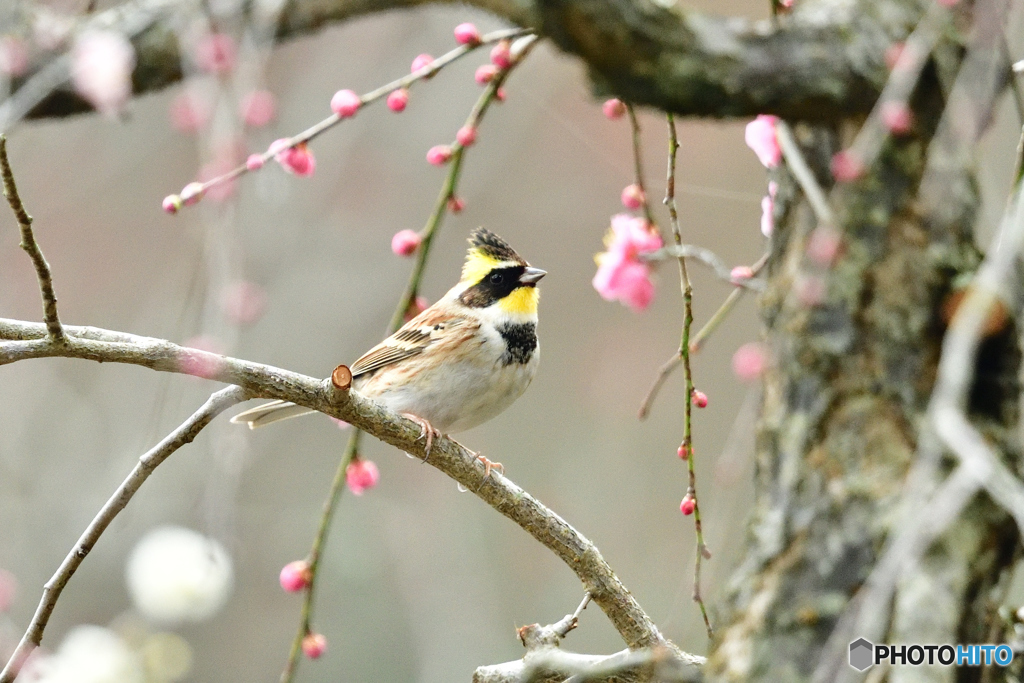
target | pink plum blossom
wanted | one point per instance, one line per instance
(699, 398)
(101, 69)
(688, 505)
(456, 204)
(896, 117)
(847, 166)
(621, 276)
(485, 73)
(823, 245)
(741, 274)
(361, 475)
(254, 162)
(760, 136)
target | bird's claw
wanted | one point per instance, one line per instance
(427, 431)
(490, 465)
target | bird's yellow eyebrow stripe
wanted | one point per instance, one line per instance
(477, 266)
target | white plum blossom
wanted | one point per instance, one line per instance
(176, 575)
(90, 654)
(101, 69)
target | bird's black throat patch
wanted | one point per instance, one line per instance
(520, 342)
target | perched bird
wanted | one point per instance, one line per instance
(461, 361)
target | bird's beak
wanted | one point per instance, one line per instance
(531, 275)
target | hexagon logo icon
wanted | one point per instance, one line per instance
(862, 654)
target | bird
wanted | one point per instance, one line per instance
(460, 362)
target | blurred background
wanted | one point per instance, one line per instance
(419, 581)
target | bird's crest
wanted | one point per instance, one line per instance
(486, 252)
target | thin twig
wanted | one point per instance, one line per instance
(570, 621)
(804, 175)
(697, 340)
(28, 243)
(372, 96)
(189, 429)
(638, 163)
(397, 319)
(684, 355)
(705, 256)
(315, 553)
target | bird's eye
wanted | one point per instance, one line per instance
(496, 278)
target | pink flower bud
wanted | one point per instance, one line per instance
(741, 274)
(361, 475)
(699, 398)
(421, 61)
(438, 155)
(345, 103)
(466, 136)
(295, 576)
(683, 452)
(809, 289)
(485, 73)
(632, 196)
(823, 245)
(192, 193)
(405, 242)
(298, 159)
(456, 204)
(314, 645)
(847, 166)
(258, 108)
(398, 99)
(216, 53)
(467, 34)
(172, 204)
(688, 505)
(613, 109)
(896, 117)
(501, 54)
(244, 302)
(749, 361)
(254, 162)
(768, 210)
(499, 94)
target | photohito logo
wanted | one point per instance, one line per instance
(865, 654)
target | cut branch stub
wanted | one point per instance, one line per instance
(341, 378)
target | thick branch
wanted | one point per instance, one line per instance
(680, 61)
(28, 340)
(214, 406)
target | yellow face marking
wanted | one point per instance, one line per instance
(477, 266)
(522, 301)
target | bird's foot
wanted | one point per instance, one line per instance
(427, 431)
(489, 465)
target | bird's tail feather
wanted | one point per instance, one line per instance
(268, 413)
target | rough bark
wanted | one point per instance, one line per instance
(821, 63)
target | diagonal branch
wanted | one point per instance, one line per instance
(189, 429)
(28, 243)
(28, 340)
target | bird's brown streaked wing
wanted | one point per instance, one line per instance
(412, 339)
